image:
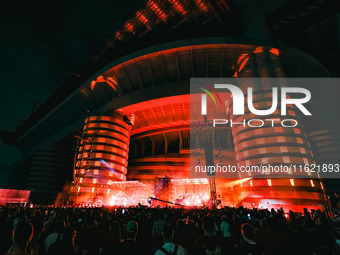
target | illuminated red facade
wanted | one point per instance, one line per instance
(160, 138)
(273, 144)
(142, 77)
(12, 196)
(102, 157)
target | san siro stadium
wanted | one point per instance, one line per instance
(119, 130)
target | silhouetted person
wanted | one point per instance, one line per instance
(22, 236)
(112, 239)
(90, 238)
(209, 243)
(169, 247)
(179, 232)
(227, 244)
(61, 241)
(130, 246)
(267, 238)
(249, 246)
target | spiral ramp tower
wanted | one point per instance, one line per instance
(46, 174)
(272, 143)
(102, 157)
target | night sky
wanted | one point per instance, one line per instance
(41, 40)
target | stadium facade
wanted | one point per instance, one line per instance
(129, 111)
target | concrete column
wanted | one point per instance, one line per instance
(47, 175)
(102, 157)
(272, 144)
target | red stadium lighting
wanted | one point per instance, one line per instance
(129, 27)
(141, 17)
(203, 7)
(178, 6)
(154, 7)
(108, 80)
(13, 196)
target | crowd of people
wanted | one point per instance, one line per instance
(155, 230)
